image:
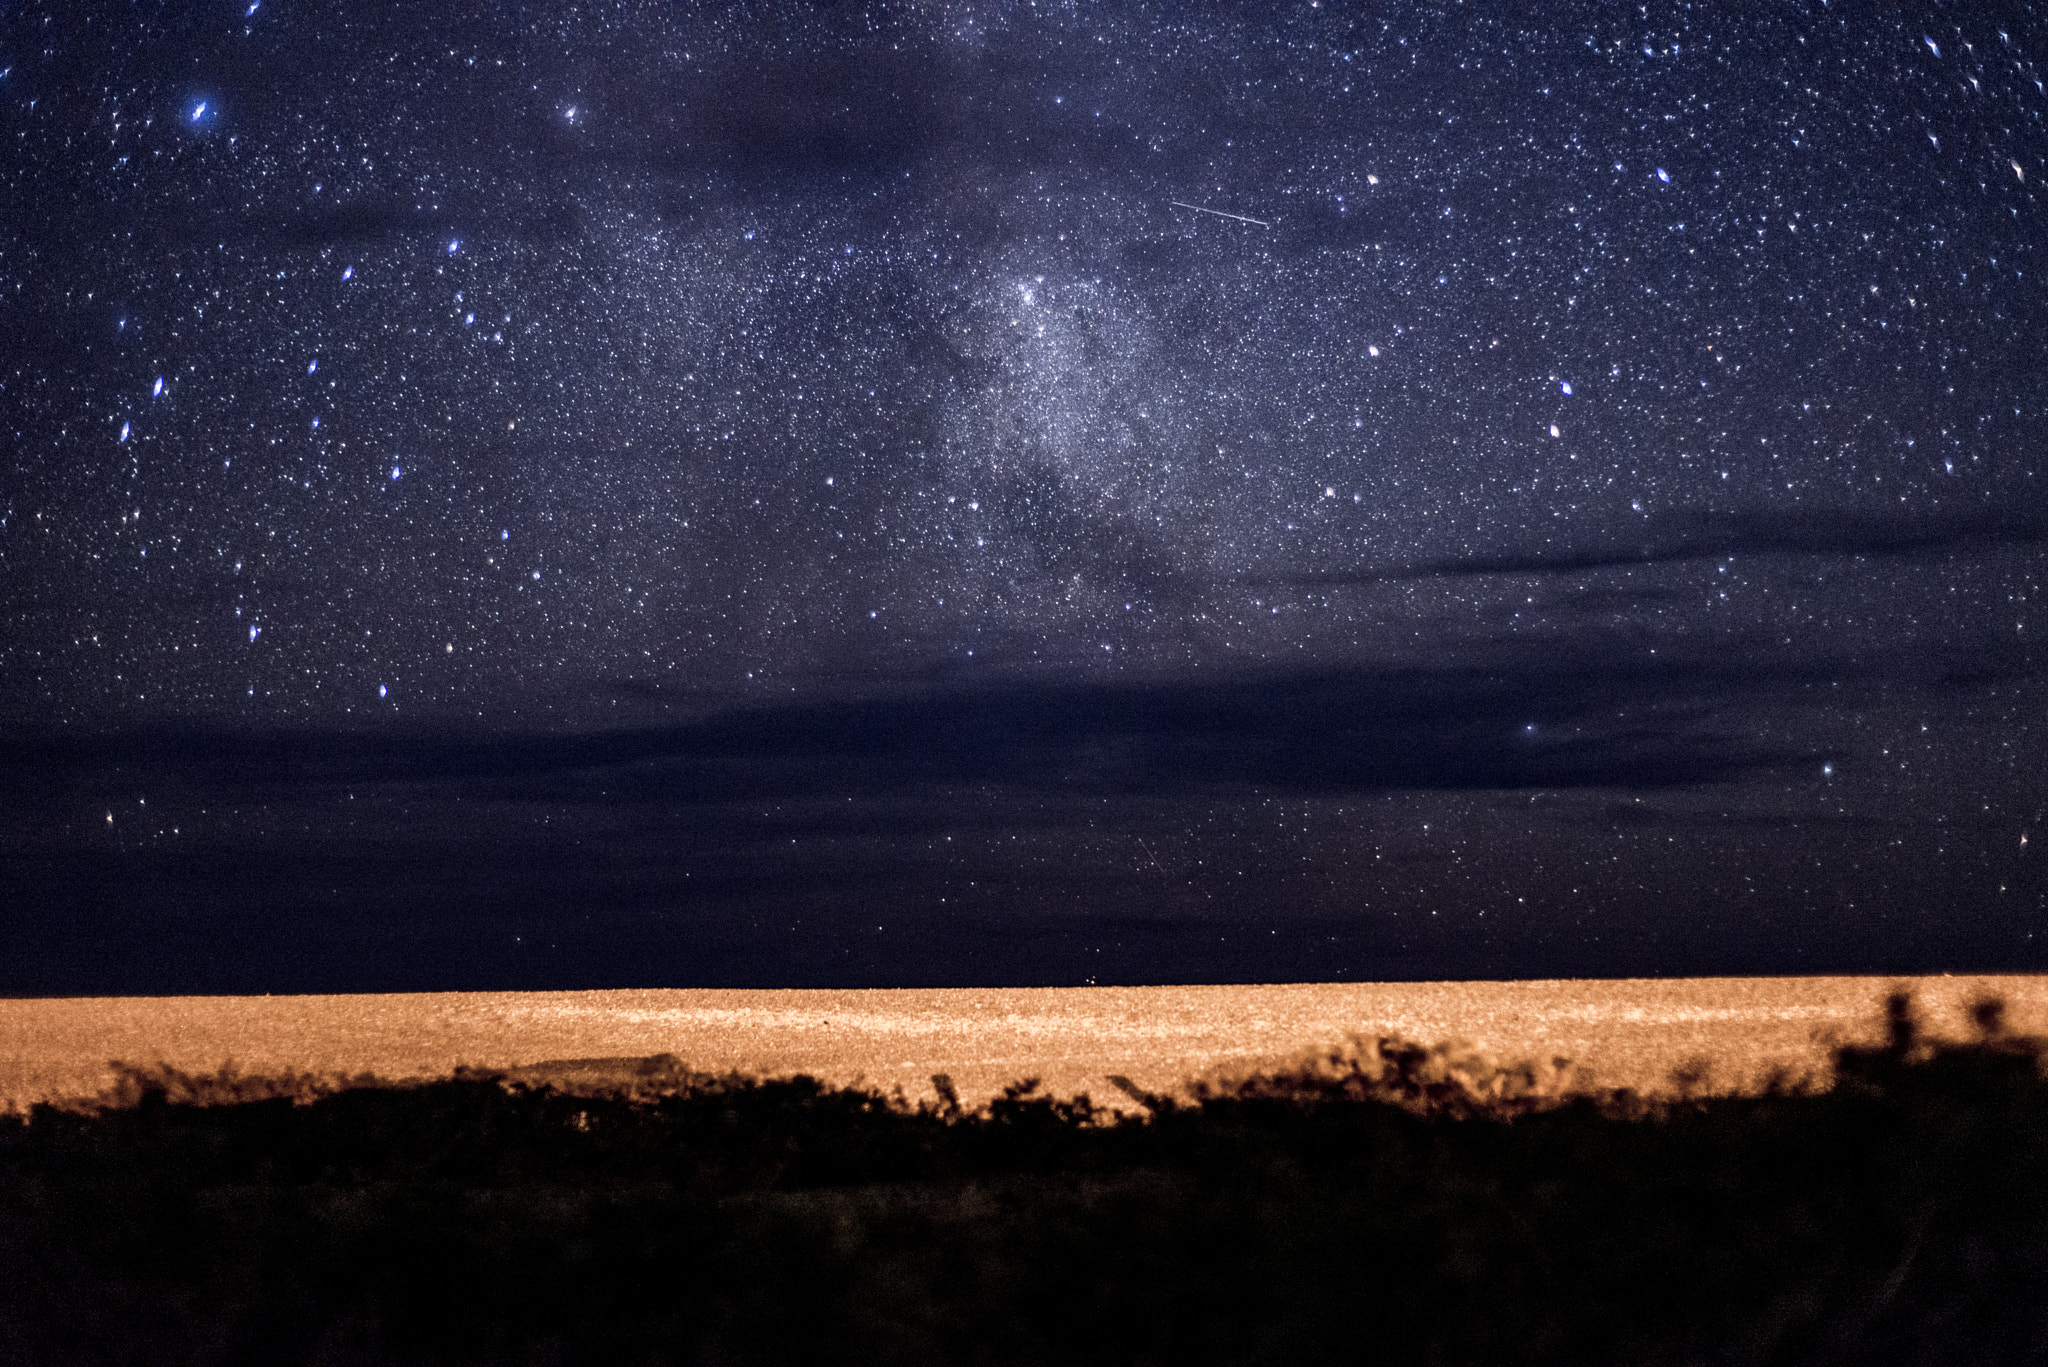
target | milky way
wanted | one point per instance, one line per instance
(1218, 473)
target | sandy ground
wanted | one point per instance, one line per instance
(1631, 1032)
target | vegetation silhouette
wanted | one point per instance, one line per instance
(1380, 1200)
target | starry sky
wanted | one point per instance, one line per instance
(612, 494)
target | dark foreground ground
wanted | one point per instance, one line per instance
(1389, 1203)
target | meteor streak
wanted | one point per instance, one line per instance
(1260, 222)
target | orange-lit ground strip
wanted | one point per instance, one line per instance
(1625, 1032)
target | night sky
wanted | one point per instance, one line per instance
(600, 495)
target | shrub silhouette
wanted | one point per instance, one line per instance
(1381, 1199)
(161, 1084)
(1448, 1079)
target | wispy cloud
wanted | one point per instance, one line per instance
(1696, 535)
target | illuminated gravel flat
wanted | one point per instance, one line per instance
(1624, 1032)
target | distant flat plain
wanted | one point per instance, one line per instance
(1619, 1032)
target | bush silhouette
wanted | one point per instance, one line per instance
(1380, 1200)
